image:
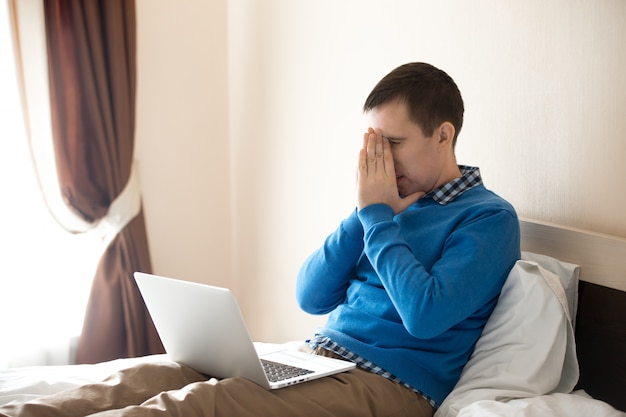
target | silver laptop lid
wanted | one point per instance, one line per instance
(201, 326)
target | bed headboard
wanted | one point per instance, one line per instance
(601, 316)
(602, 257)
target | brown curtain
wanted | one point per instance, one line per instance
(92, 71)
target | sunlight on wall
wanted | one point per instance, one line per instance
(543, 88)
(46, 272)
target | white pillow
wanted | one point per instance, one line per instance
(568, 274)
(527, 346)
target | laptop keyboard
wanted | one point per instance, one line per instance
(277, 371)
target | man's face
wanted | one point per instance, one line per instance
(418, 159)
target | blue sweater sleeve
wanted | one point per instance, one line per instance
(324, 277)
(468, 275)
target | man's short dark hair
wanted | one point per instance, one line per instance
(432, 97)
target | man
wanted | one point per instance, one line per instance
(409, 279)
(412, 275)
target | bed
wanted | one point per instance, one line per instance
(554, 346)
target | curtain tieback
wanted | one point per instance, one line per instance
(122, 211)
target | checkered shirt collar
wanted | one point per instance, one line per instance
(470, 178)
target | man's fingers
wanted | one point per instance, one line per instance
(379, 148)
(362, 164)
(371, 149)
(375, 151)
(390, 169)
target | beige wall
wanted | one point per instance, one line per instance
(182, 137)
(249, 123)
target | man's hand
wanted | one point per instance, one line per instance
(376, 175)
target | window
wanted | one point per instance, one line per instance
(45, 272)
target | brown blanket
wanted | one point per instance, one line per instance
(132, 386)
(169, 389)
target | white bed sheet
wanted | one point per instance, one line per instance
(577, 403)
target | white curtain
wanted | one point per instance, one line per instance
(43, 296)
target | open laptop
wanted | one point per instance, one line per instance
(201, 326)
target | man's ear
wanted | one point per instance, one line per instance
(446, 133)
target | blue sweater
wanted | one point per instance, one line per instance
(411, 293)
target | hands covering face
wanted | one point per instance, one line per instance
(376, 175)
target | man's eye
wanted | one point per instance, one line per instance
(393, 141)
